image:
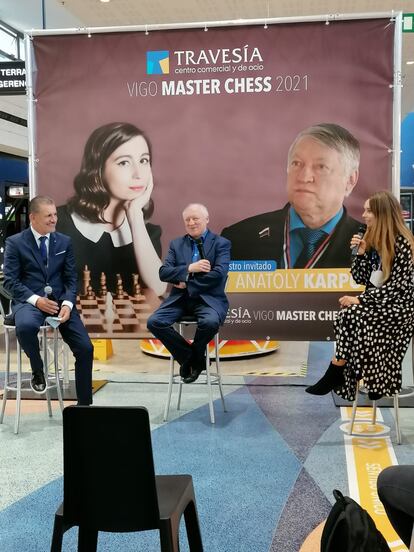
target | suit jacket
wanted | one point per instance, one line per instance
(262, 238)
(210, 285)
(25, 273)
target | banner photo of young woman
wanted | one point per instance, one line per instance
(282, 131)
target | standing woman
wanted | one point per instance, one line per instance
(107, 217)
(374, 329)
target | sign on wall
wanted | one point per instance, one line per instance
(12, 78)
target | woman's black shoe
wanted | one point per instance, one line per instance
(334, 377)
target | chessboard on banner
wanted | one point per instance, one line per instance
(109, 315)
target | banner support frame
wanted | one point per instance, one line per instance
(327, 18)
(31, 121)
(396, 115)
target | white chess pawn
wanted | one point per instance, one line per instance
(109, 308)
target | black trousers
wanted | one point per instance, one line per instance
(160, 324)
(28, 319)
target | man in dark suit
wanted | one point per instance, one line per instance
(313, 230)
(36, 258)
(196, 265)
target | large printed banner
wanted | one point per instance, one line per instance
(131, 127)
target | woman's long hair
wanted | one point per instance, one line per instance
(91, 192)
(387, 226)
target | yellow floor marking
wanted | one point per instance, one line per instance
(367, 454)
(362, 413)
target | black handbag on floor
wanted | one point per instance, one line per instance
(349, 528)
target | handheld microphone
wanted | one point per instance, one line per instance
(200, 247)
(361, 231)
(49, 293)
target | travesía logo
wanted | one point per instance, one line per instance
(158, 62)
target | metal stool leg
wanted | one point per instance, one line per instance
(46, 363)
(210, 390)
(46, 368)
(354, 409)
(217, 361)
(65, 362)
(6, 373)
(374, 412)
(18, 388)
(180, 389)
(56, 366)
(397, 418)
(170, 384)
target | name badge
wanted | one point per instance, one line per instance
(377, 278)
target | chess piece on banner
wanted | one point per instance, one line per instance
(136, 288)
(90, 293)
(109, 308)
(86, 279)
(119, 287)
(103, 290)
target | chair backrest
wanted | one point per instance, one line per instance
(109, 479)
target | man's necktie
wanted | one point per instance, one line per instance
(43, 248)
(310, 239)
(196, 254)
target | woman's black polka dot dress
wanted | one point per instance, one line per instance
(373, 337)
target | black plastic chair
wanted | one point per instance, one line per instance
(110, 483)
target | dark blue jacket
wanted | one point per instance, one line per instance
(210, 286)
(25, 273)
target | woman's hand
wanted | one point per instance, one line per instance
(348, 300)
(148, 262)
(140, 201)
(357, 241)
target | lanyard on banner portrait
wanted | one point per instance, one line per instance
(315, 257)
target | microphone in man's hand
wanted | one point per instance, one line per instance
(361, 231)
(200, 247)
(49, 293)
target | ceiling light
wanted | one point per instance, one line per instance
(105, 1)
(411, 62)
